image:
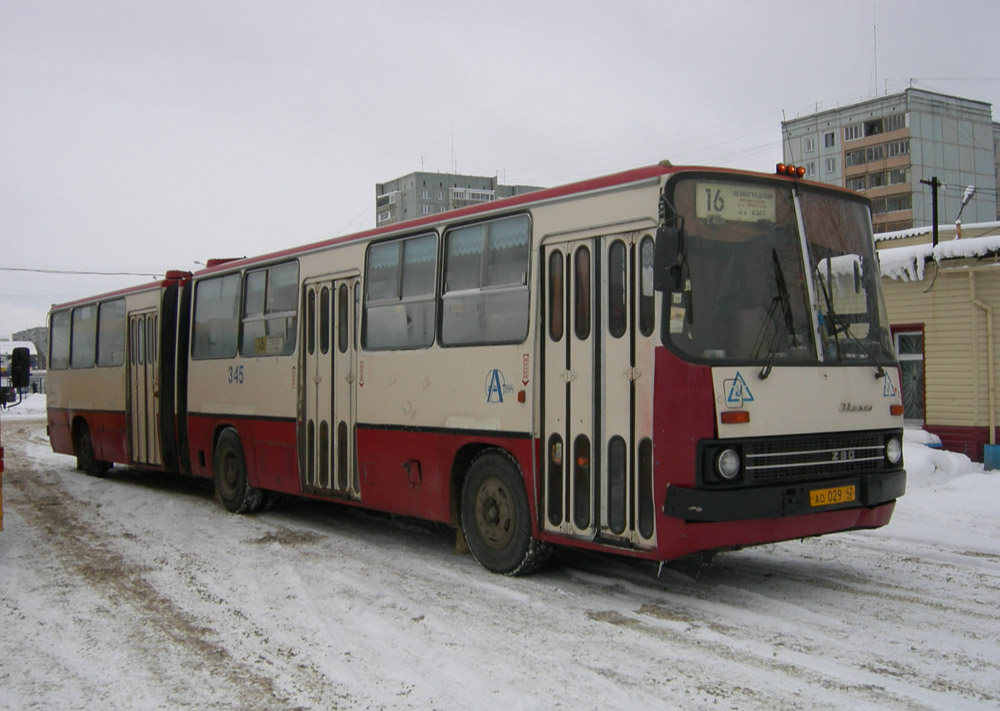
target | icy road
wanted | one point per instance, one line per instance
(138, 591)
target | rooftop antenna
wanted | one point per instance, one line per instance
(875, 47)
(788, 139)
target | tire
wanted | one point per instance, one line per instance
(86, 458)
(496, 518)
(230, 475)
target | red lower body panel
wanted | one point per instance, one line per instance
(108, 432)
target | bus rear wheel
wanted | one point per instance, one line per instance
(496, 519)
(231, 483)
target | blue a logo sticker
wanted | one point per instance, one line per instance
(737, 391)
(496, 386)
(888, 389)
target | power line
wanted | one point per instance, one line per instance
(75, 271)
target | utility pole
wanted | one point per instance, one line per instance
(933, 182)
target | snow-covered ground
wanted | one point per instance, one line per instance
(138, 591)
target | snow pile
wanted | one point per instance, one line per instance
(32, 407)
(907, 263)
(915, 435)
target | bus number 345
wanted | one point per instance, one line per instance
(236, 375)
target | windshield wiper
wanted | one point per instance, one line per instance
(781, 299)
(837, 326)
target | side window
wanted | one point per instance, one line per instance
(485, 296)
(111, 333)
(647, 304)
(84, 342)
(216, 317)
(269, 311)
(399, 294)
(59, 340)
(617, 293)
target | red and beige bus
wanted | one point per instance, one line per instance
(661, 362)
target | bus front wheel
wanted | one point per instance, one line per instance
(231, 483)
(496, 519)
(86, 457)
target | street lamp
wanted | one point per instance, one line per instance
(969, 192)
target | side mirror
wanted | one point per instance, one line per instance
(667, 259)
(20, 368)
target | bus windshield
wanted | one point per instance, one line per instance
(742, 289)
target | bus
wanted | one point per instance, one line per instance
(662, 362)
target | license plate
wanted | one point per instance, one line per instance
(828, 497)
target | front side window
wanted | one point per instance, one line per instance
(216, 317)
(485, 297)
(399, 293)
(852, 315)
(269, 311)
(59, 329)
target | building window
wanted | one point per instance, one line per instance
(874, 153)
(831, 165)
(829, 139)
(910, 349)
(897, 148)
(811, 168)
(854, 158)
(894, 122)
(425, 209)
(898, 176)
(853, 132)
(858, 182)
(895, 203)
(809, 143)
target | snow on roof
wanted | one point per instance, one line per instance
(907, 263)
(972, 229)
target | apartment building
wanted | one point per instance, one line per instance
(884, 147)
(422, 194)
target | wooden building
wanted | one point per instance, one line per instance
(943, 302)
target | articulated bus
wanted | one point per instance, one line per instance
(657, 363)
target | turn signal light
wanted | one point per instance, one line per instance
(795, 171)
(735, 417)
(895, 410)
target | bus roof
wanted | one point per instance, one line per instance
(173, 276)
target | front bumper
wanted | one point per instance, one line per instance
(781, 500)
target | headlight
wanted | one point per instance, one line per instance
(727, 464)
(893, 450)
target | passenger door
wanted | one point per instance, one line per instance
(598, 349)
(329, 387)
(143, 402)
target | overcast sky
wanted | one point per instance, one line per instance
(150, 135)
